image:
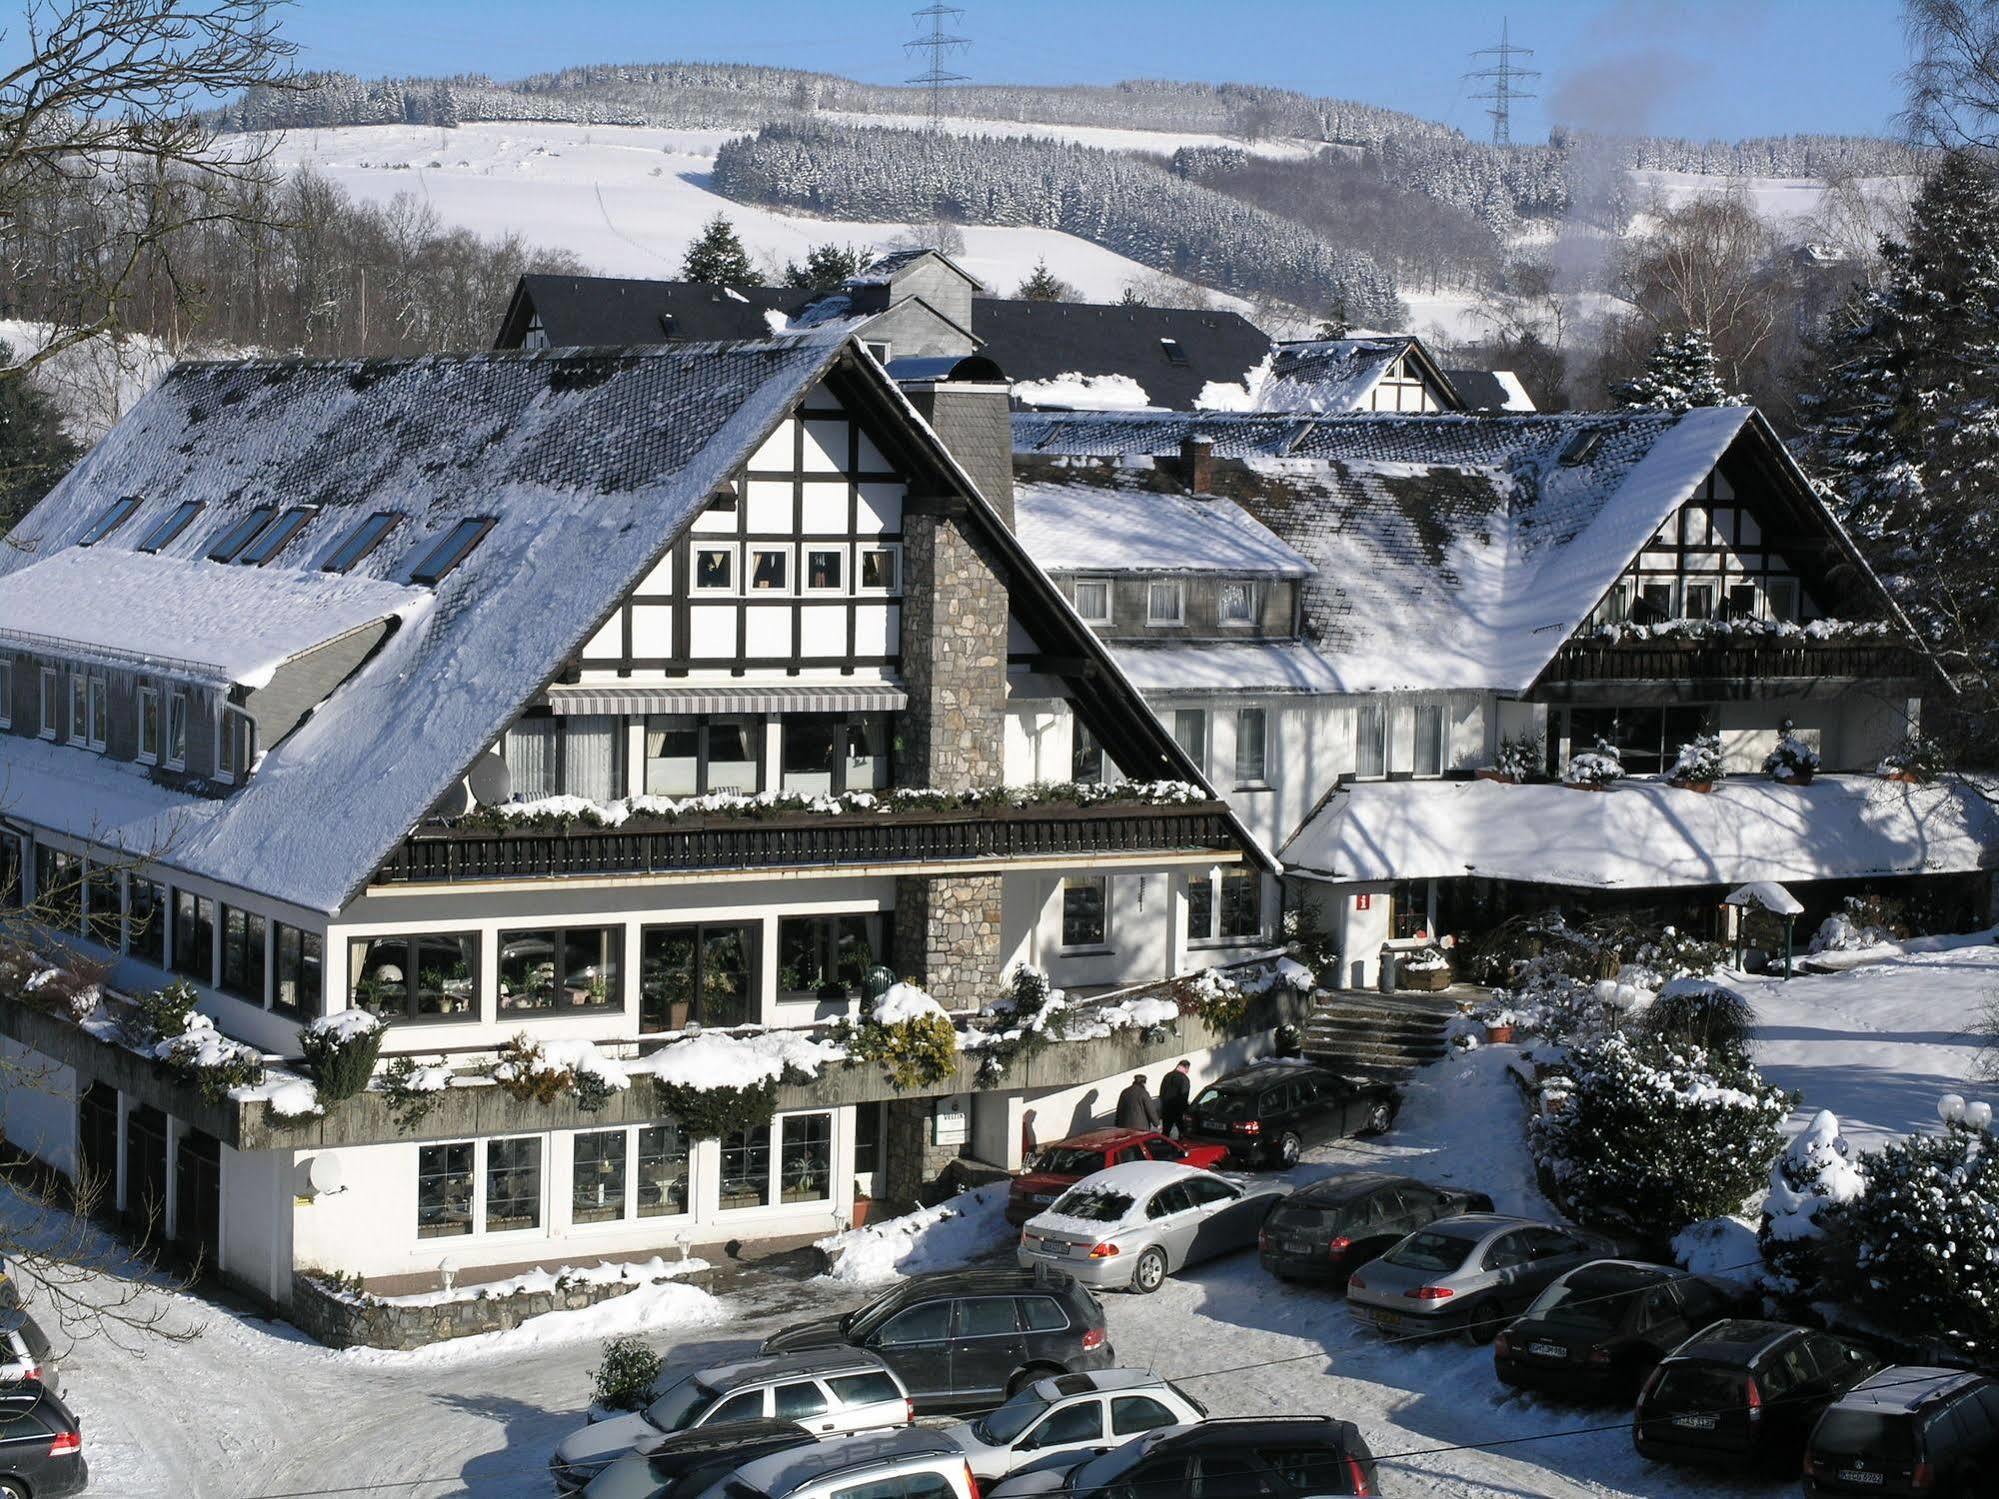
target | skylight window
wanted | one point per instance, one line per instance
(360, 541)
(1581, 448)
(110, 520)
(450, 549)
(1170, 347)
(273, 539)
(234, 538)
(164, 533)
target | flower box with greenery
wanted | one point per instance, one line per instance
(907, 1033)
(1699, 764)
(1793, 761)
(1518, 761)
(1428, 971)
(1594, 769)
(1916, 761)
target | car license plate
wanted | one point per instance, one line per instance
(1855, 1475)
(1547, 1350)
(1700, 1422)
(1295, 1246)
(1383, 1319)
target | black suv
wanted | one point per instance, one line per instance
(1598, 1330)
(1268, 1113)
(41, 1446)
(1908, 1431)
(1745, 1392)
(1279, 1457)
(1329, 1228)
(691, 1462)
(964, 1340)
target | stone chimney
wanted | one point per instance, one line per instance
(1197, 464)
(974, 418)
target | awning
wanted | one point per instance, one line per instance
(724, 697)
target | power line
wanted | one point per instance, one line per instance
(941, 45)
(1502, 76)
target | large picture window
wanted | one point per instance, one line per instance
(513, 1185)
(243, 954)
(1190, 729)
(146, 921)
(828, 957)
(59, 888)
(444, 1190)
(299, 990)
(703, 975)
(574, 968)
(834, 752)
(746, 1167)
(1370, 741)
(194, 936)
(663, 1170)
(597, 1175)
(688, 756)
(805, 1158)
(577, 755)
(1242, 905)
(433, 976)
(106, 917)
(1085, 911)
(1251, 752)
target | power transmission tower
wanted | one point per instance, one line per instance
(940, 44)
(1504, 77)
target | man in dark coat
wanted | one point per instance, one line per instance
(1135, 1108)
(1173, 1091)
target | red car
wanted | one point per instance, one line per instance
(1053, 1169)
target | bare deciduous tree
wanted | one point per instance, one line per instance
(1954, 81)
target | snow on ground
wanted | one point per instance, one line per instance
(956, 1230)
(1786, 201)
(1152, 142)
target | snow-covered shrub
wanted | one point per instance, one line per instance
(1817, 1171)
(1914, 759)
(1862, 921)
(1215, 997)
(413, 1088)
(1520, 756)
(203, 1056)
(625, 1374)
(71, 990)
(908, 1034)
(162, 1013)
(1674, 954)
(526, 1073)
(1919, 1249)
(340, 1052)
(1027, 1018)
(1791, 760)
(1601, 767)
(1700, 1015)
(1654, 1147)
(1699, 762)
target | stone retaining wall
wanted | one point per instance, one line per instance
(339, 1322)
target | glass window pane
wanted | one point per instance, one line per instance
(447, 974)
(597, 1176)
(590, 756)
(1429, 740)
(770, 569)
(527, 970)
(146, 921)
(727, 992)
(106, 918)
(450, 550)
(513, 1185)
(812, 752)
(827, 957)
(377, 969)
(1238, 605)
(673, 755)
(243, 954)
(1370, 741)
(443, 1190)
(870, 762)
(1093, 600)
(182, 517)
(1083, 916)
(1200, 907)
(735, 755)
(715, 568)
(591, 967)
(1086, 757)
(662, 1170)
(1190, 728)
(805, 1166)
(1249, 746)
(746, 1168)
(194, 936)
(177, 729)
(667, 957)
(881, 569)
(1242, 905)
(1162, 603)
(824, 568)
(359, 542)
(533, 762)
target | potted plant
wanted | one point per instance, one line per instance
(1500, 1026)
(1594, 769)
(1518, 759)
(1793, 761)
(1914, 762)
(1699, 764)
(1428, 970)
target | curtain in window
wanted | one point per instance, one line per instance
(531, 758)
(590, 757)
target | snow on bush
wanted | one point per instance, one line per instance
(340, 1052)
(543, 1071)
(953, 1233)
(1694, 1014)
(1863, 921)
(1216, 998)
(1699, 762)
(904, 1002)
(1599, 767)
(1655, 1146)
(624, 1377)
(716, 1059)
(1791, 760)
(1520, 756)
(1915, 759)
(908, 1033)
(1817, 1171)
(1722, 1249)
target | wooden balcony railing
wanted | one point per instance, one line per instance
(794, 841)
(1731, 660)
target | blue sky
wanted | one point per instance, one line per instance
(1701, 68)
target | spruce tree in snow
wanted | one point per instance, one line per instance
(826, 267)
(1043, 285)
(1817, 1171)
(35, 451)
(718, 258)
(1679, 375)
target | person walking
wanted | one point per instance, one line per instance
(1174, 1089)
(1135, 1108)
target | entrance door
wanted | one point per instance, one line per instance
(97, 1150)
(146, 1172)
(198, 1196)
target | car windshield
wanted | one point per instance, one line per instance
(1587, 1302)
(1218, 1104)
(1010, 1420)
(1430, 1250)
(1859, 1432)
(1094, 1204)
(1067, 1160)
(630, 1477)
(1098, 1474)
(873, 1311)
(677, 1408)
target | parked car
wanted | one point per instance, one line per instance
(688, 1462)
(909, 1464)
(1274, 1457)
(1133, 1225)
(25, 1351)
(1267, 1114)
(1599, 1329)
(1908, 1430)
(1745, 1392)
(1054, 1169)
(825, 1391)
(1472, 1273)
(1072, 1413)
(1329, 1228)
(965, 1340)
(41, 1444)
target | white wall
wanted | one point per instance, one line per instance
(1059, 1112)
(38, 1105)
(256, 1218)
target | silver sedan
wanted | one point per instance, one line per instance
(1471, 1273)
(1134, 1224)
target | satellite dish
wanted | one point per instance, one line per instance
(323, 1173)
(490, 781)
(454, 803)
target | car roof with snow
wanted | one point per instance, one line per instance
(1140, 1178)
(835, 1360)
(1910, 1387)
(795, 1467)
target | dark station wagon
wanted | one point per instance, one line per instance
(1600, 1329)
(1328, 1228)
(1267, 1114)
(1933, 1432)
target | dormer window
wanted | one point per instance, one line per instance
(98, 696)
(1173, 351)
(235, 743)
(451, 549)
(149, 725)
(109, 521)
(1093, 600)
(51, 702)
(234, 538)
(1165, 602)
(273, 539)
(177, 731)
(360, 541)
(1238, 603)
(79, 708)
(163, 534)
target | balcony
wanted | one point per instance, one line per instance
(1723, 667)
(930, 841)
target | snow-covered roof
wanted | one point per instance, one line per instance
(182, 616)
(1206, 667)
(1768, 894)
(1328, 376)
(589, 463)
(1117, 527)
(1646, 834)
(1449, 551)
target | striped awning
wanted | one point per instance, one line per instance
(724, 697)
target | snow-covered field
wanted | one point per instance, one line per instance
(1785, 201)
(1154, 142)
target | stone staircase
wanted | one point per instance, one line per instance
(1364, 1033)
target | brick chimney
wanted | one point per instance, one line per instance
(1197, 463)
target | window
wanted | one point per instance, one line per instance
(243, 954)
(1131, 1414)
(1190, 730)
(1086, 755)
(662, 1170)
(929, 1323)
(879, 350)
(1085, 918)
(828, 957)
(450, 550)
(987, 1317)
(513, 1185)
(177, 731)
(360, 541)
(149, 725)
(1249, 747)
(574, 969)
(805, 1158)
(798, 1400)
(119, 512)
(597, 1176)
(300, 983)
(824, 569)
(867, 1147)
(770, 569)
(79, 707)
(1242, 905)
(1170, 347)
(99, 721)
(1429, 739)
(1699, 601)
(1742, 601)
(1238, 604)
(194, 936)
(235, 743)
(1783, 596)
(444, 1190)
(1042, 1314)
(834, 752)
(1165, 603)
(59, 888)
(688, 756)
(146, 920)
(273, 540)
(163, 534)
(231, 539)
(746, 1167)
(863, 1389)
(697, 975)
(51, 702)
(577, 755)
(1201, 907)
(880, 569)
(715, 569)
(746, 1406)
(104, 903)
(1081, 1422)
(12, 896)
(1370, 741)
(433, 976)
(1093, 600)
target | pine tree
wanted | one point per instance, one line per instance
(1679, 375)
(718, 258)
(826, 267)
(1043, 285)
(1131, 298)
(35, 451)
